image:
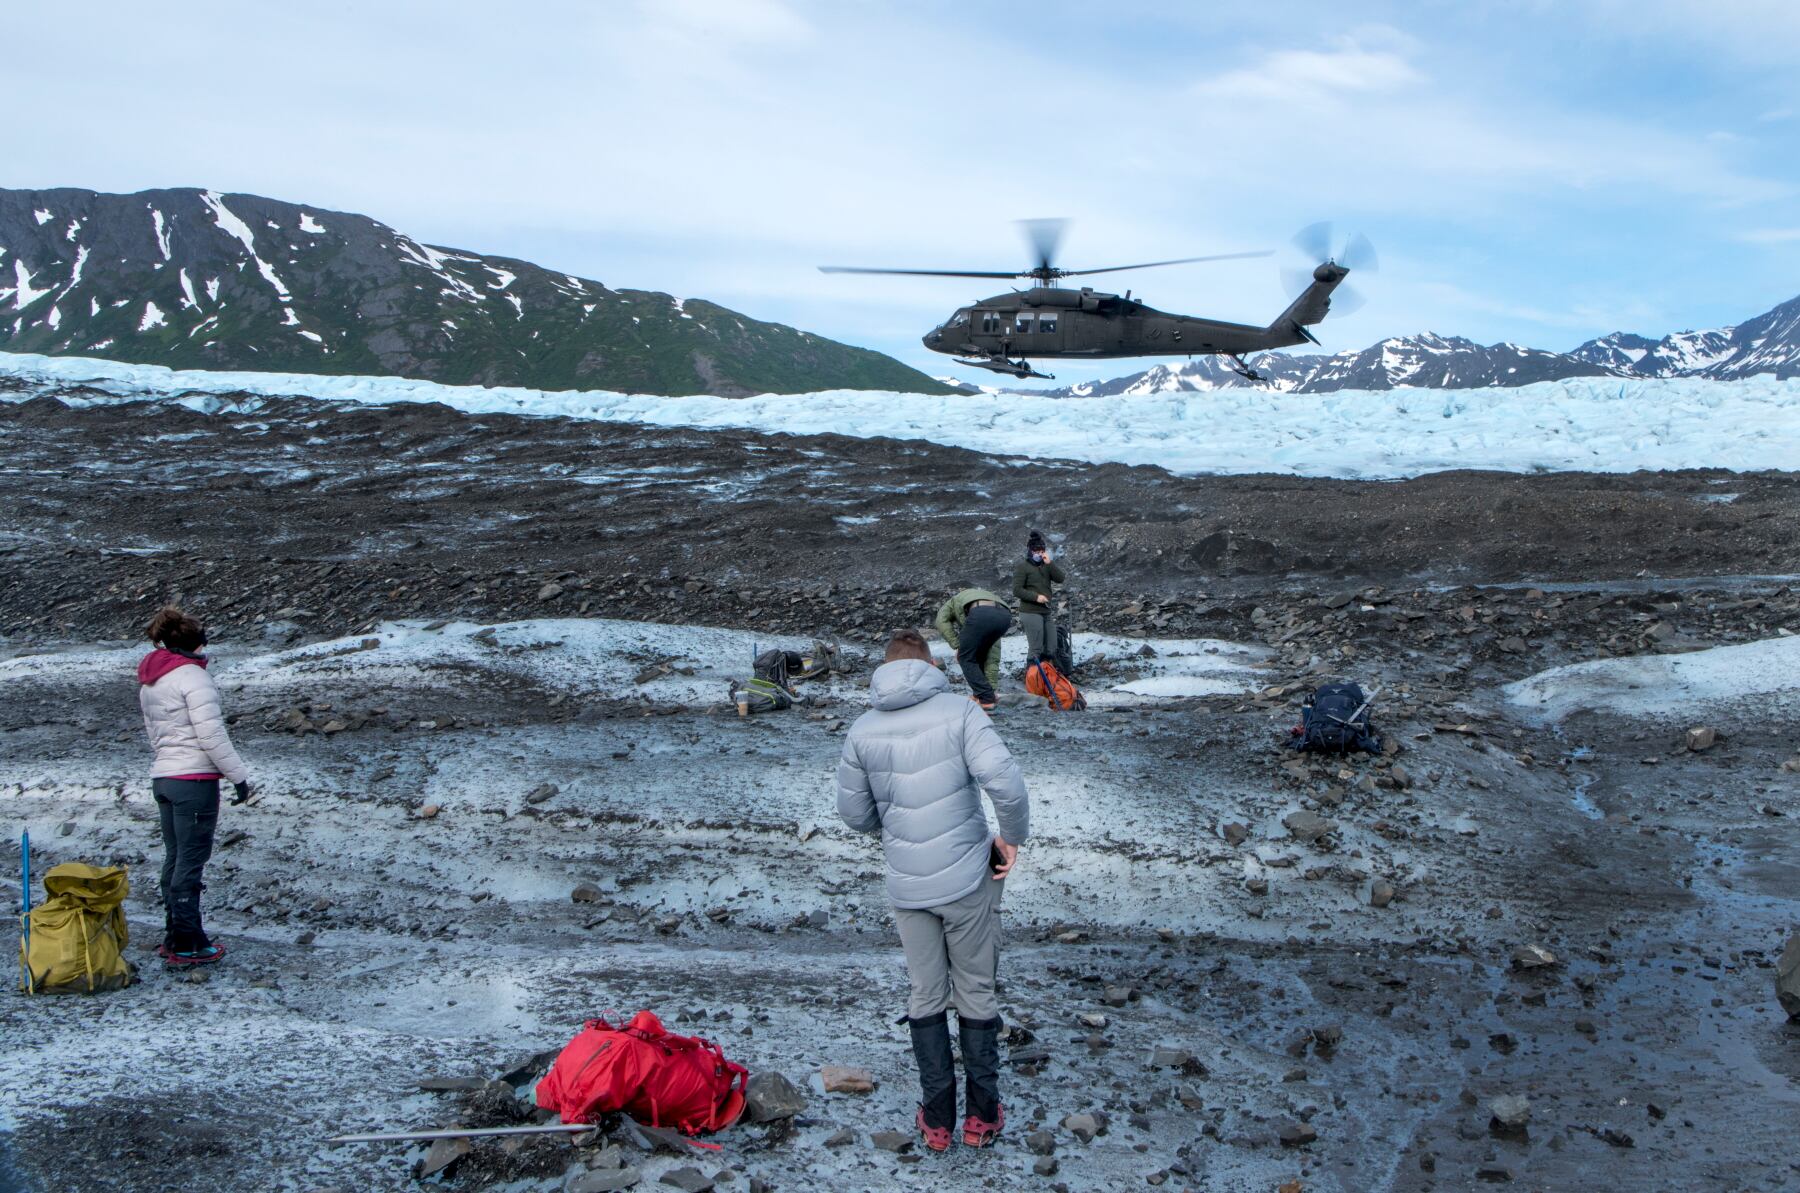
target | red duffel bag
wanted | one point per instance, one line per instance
(657, 1078)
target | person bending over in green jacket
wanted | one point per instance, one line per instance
(1033, 581)
(973, 622)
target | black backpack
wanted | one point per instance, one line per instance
(783, 667)
(1065, 648)
(777, 666)
(1335, 720)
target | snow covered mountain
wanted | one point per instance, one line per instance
(1678, 355)
(1438, 362)
(196, 279)
(1767, 344)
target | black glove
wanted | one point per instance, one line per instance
(242, 788)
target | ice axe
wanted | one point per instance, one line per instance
(1360, 709)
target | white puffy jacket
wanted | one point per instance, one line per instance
(914, 768)
(185, 726)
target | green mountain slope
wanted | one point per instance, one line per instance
(195, 279)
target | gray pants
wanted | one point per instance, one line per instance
(953, 954)
(1042, 635)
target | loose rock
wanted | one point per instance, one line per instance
(688, 1180)
(1787, 978)
(769, 1096)
(1307, 826)
(1296, 1134)
(1511, 1112)
(1082, 1126)
(843, 1079)
(1532, 956)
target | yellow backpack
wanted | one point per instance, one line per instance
(74, 941)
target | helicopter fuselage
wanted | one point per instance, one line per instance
(1050, 322)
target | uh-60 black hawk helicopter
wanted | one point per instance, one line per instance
(1049, 320)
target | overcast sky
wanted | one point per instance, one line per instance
(1536, 172)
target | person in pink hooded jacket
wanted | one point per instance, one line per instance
(193, 753)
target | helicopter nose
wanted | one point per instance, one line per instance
(933, 338)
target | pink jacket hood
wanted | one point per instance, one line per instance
(160, 662)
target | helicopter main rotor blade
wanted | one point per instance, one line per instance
(1045, 236)
(926, 273)
(1081, 273)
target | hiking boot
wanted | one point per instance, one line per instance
(201, 956)
(986, 705)
(936, 1138)
(977, 1132)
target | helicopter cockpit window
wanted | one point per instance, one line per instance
(1022, 325)
(991, 322)
(960, 319)
(1046, 321)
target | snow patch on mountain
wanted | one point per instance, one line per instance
(26, 292)
(238, 229)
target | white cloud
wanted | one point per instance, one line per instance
(1770, 236)
(723, 148)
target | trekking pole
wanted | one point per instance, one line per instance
(25, 907)
(491, 1132)
(467, 1133)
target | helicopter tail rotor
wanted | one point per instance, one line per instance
(1314, 243)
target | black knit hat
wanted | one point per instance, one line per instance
(1035, 542)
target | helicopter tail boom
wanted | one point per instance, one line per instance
(1312, 305)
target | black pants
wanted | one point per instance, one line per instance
(189, 809)
(981, 630)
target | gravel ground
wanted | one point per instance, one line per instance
(372, 945)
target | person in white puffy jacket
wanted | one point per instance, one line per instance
(914, 769)
(193, 752)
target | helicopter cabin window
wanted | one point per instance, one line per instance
(991, 321)
(1046, 322)
(1022, 323)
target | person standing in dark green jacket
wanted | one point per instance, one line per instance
(1033, 581)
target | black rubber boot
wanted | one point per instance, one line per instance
(981, 1067)
(937, 1071)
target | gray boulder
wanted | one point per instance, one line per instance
(769, 1096)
